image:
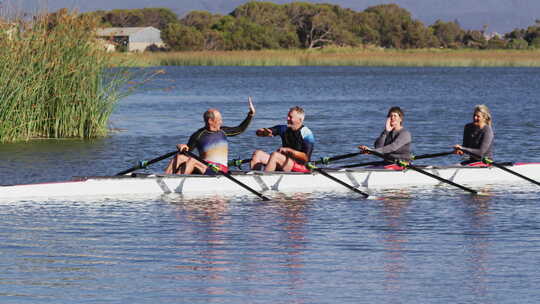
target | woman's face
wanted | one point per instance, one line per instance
(395, 119)
(478, 118)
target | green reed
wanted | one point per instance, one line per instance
(54, 81)
(337, 56)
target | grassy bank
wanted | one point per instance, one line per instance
(338, 57)
(54, 82)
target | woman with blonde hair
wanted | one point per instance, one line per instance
(478, 136)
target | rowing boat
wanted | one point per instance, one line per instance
(277, 181)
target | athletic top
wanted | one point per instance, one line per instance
(478, 141)
(301, 140)
(396, 144)
(214, 146)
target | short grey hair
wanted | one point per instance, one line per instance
(210, 113)
(298, 110)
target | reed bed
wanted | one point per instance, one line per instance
(338, 57)
(54, 79)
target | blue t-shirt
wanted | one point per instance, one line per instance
(301, 140)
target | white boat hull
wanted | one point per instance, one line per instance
(283, 182)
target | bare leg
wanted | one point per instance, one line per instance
(259, 159)
(192, 164)
(176, 164)
(280, 162)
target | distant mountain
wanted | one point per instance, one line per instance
(499, 15)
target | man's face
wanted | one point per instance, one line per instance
(294, 120)
(216, 122)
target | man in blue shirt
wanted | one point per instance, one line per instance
(297, 145)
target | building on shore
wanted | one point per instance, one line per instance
(130, 39)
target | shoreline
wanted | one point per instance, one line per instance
(335, 57)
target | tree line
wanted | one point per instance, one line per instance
(265, 25)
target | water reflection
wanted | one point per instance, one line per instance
(477, 234)
(293, 219)
(209, 209)
(291, 213)
(204, 223)
(395, 205)
(271, 248)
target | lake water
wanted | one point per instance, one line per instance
(434, 245)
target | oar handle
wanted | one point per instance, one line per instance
(389, 159)
(226, 174)
(144, 163)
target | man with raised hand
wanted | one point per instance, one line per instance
(211, 142)
(297, 145)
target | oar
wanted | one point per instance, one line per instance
(227, 175)
(144, 163)
(362, 164)
(500, 166)
(327, 160)
(432, 155)
(414, 157)
(323, 173)
(409, 166)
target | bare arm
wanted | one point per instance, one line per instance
(298, 156)
(233, 131)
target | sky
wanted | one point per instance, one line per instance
(500, 16)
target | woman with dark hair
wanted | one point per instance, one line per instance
(395, 140)
(478, 137)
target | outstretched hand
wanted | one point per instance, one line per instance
(264, 132)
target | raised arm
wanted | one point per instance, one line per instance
(233, 131)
